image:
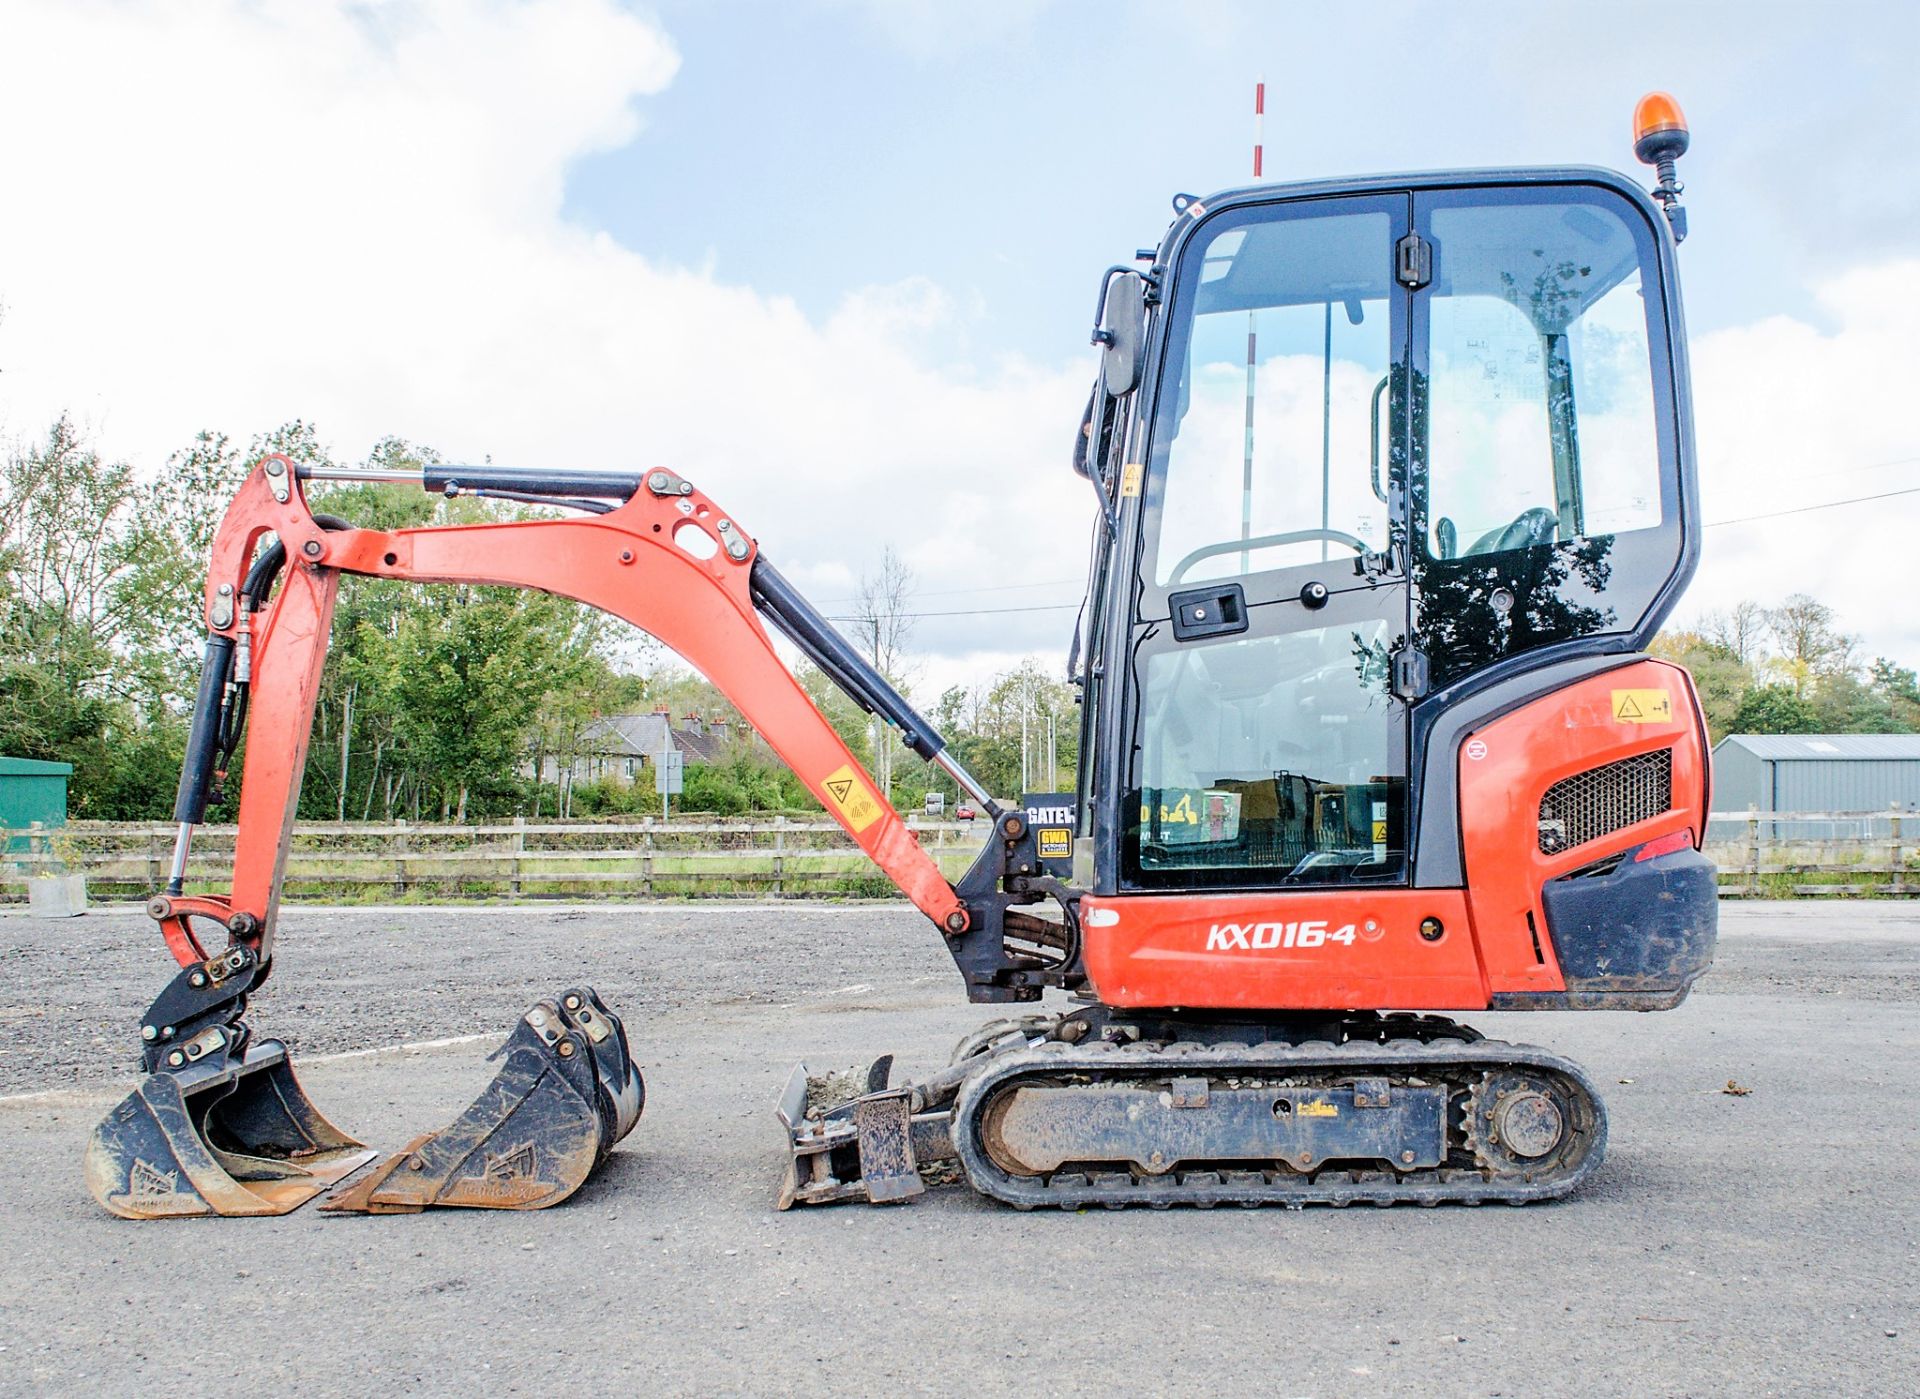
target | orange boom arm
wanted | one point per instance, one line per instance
(668, 560)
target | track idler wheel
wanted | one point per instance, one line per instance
(566, 1093)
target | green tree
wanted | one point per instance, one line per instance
(1812, 646)
(69, 611)
(1775, 709)
(1895, 691)
(988, 727)
(1722, 679)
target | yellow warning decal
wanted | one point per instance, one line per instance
(849, 795)
(1312, 1109)
(1379, 832)
(1643, 706)
(1130, 475)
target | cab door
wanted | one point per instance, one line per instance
(1267, 669)
(1547, 497)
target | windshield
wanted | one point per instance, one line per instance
(1274, 457)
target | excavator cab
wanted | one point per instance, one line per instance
(1392, 447)
(1405, 455)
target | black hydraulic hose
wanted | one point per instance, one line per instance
(595, 507)
(215, 729)
(266, 568)
(847, 668)
(233, 723)
(259, 581)
(203, 735)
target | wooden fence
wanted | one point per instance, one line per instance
(1760, 854)
(645, 858)
(1771, 855)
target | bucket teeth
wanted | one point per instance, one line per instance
(566, 1092)
(226, 1136)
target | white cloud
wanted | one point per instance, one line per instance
(229, 215)
(1792, 414)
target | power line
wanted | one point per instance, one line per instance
(973, 612)
(1874, 466)
(1069, 606)
(966, 592)
(1808, 509)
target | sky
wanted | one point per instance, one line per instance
(835, 260)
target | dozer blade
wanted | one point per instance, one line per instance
(566, 1093)
(845, 1144)
(218, 1138)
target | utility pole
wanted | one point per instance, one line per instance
(1025, 786)
(346, 751)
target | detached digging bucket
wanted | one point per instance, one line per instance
(566, 1094)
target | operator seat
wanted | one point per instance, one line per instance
(1535, 526)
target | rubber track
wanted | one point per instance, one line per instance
(1451, 1061)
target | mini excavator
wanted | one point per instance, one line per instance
(1395, 484)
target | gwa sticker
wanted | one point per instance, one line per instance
(1259, 937)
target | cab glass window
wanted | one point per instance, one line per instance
(1272, 433)
(1540, 391)
(1545, 488)
(1275, 759)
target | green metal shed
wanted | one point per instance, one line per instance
(31, 791)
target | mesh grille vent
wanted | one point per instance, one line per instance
(1601, 800)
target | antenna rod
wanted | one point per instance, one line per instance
(1259, 124)
(1246, 466)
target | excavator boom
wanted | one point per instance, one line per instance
(665, 558)
(221, 1124)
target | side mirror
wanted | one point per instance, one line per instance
(1122, 329)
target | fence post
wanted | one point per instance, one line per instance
(519, 848)
(154, 866)
(1753, 851)
(1899, 856)
(779, 856)
(399, 853)
(646, 860)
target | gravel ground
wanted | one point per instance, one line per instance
(1759, 1244)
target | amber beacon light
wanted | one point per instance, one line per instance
(1659, 139)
